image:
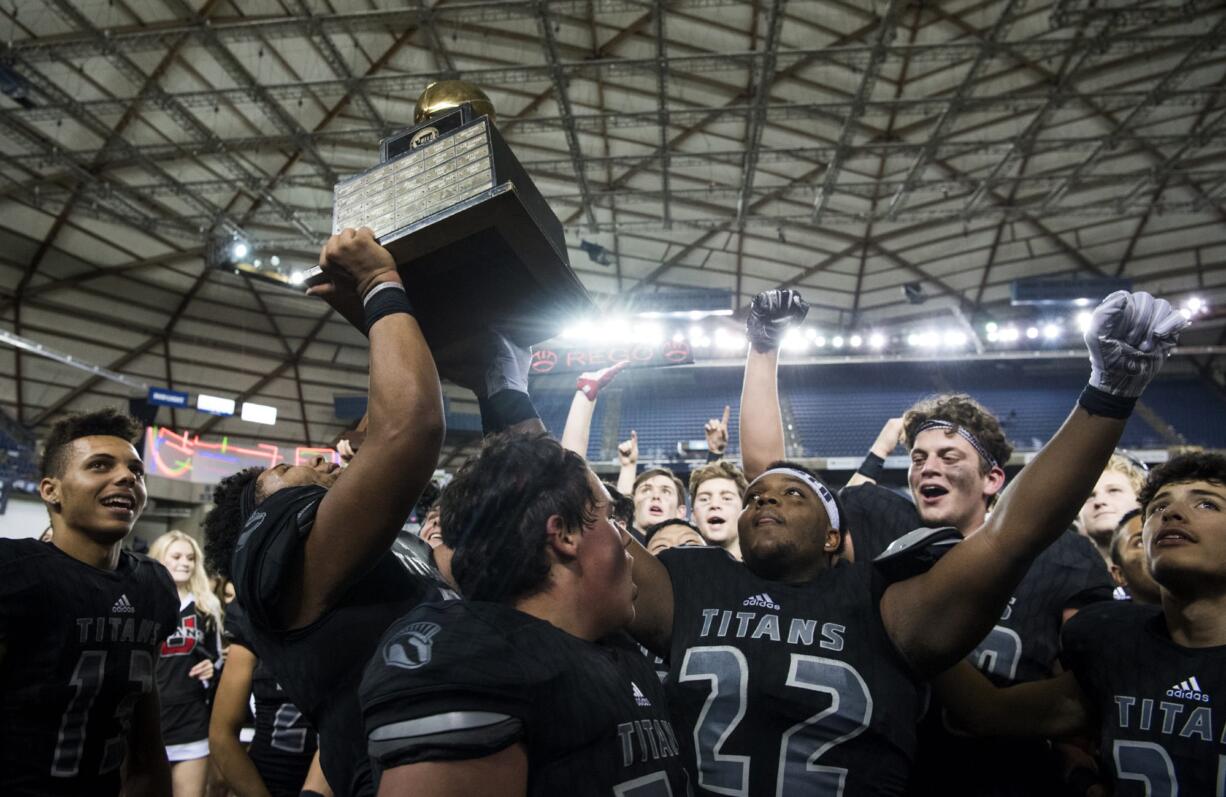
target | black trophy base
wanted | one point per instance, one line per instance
(485, 264)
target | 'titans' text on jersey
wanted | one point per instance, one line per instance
(1155, 700)
(787, 689)
(80, 647)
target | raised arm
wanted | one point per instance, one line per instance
(762, 441)
(939, 616)
(226, 721)
(359, 517)
(628, 459)
(576, 434)
(883, 446)
(1050, 708)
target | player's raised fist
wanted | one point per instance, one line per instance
(1129, 337)
(628, 451)
(770, 314)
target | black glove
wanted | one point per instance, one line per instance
(770, 314)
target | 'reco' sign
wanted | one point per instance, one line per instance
(557, 360)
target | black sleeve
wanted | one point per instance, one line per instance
(269, 545)
(20, 590)
(1081, 643)
(235, 631)
(1082, 576)
(163, 587)
(876, 517)
(443, 686)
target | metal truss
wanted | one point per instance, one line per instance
(954, 105)
(853, 57)
(884, 37)
(334, 59)
(763, 77)
(662, 107)
(558, 79)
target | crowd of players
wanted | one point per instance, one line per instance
(753, 632)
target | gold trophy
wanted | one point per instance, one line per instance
(476, 243)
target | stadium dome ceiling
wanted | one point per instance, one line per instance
(843, 148)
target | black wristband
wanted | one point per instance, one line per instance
(1080, 780)
(385, 303)
(1100, 402)
(504, 409)
(871, 467)
(714, 456)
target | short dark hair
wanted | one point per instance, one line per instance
(647, 474)
(224, 522)
(1117, 558)
(783, 463)
(656, 528)
(965, 413)
(1199, 466)
(623, 505)
(719, 469)
(495, 511)
(110, 422)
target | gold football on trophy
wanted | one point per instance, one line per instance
(447, 94)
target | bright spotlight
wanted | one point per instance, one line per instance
(276, 261)
(678, 337)
(819, 341)
(1083, 321)
(239, 250)
(913, 339)
(1032, 332)
(1082, 302)
(1051, 331)
(297, 277)
(876, 340)
(993, 335)
(990, 327)
(794, 340)
(954, 338)
(837, 341)
(855, 341)
(1009, 334)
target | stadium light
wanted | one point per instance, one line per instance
(240, 250)
(876, 340)
(1083, 321)
(794, 340)
(855, 341)
(259, 413)
(954, 338)
(1051, 332)
(837, 341)
(819, 341)
(1032, 332)
(1009, 335)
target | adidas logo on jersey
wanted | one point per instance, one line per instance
(640, 699)
(1188, 690)
(123, 606)
(761, 600)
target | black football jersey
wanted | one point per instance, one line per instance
(787, 689)
(320, 666)
(80, 647)
(284, 741)
(192, 641)
(1024, 646)
(1162, 733)
(876, 516)
(462, 680)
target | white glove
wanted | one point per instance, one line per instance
(508, 368)
(1130, 335)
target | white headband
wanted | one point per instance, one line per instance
(820, 490)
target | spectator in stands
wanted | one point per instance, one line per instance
(189, 659)
(1113, 496)
(510, 691)
(673, 533)
(1128, 564)
(716, 493)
